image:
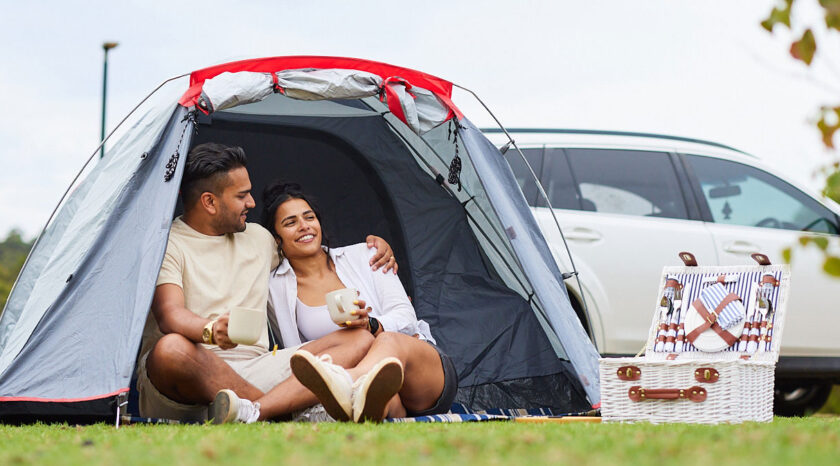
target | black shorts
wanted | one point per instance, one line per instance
(450, 387)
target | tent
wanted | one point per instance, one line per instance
(385, 151)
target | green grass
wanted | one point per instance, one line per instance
(832, 406)
(814, 440)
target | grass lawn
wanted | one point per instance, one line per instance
(807, 441)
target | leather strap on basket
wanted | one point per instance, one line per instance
(629, 373)
(760, 258)
(710, 320)
(706, 375)
(695, 394)
(767, 278)
(688, 259)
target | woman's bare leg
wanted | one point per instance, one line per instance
(423, 370)
(346, 347)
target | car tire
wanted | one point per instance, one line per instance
(797, 399)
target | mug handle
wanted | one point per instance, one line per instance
(338, 304)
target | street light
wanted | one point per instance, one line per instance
(106, 46)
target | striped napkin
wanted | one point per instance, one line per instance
(733, 313)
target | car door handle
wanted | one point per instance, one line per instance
(741, 247)
(583, 234)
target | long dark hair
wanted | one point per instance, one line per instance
(275, 195)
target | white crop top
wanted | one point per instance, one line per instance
(314, 322)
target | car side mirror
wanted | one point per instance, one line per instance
(724, 191)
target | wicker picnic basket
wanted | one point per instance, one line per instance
(677, 382)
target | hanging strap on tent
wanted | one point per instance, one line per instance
(391, 97)
(276, 84)
(172, 164)
(455, 166)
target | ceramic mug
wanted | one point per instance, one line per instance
(246, 325)
(340, 303)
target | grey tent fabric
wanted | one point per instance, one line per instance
(316, 84)
(87, 340)
(533, 252)
(232, 89)
(69, 238)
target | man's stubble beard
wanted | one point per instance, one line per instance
(223, 225)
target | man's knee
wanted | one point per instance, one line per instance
(171, 354)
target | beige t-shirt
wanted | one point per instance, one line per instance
(217, 273)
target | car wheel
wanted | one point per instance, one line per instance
(792, 398)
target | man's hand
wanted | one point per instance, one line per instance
(220, 333)
(384, 256)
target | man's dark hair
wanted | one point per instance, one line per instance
(207, 167)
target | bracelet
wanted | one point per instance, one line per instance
(373, 325)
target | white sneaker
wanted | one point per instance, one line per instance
(227, 407)
(331, 384)
(315, 413)
(373, 391)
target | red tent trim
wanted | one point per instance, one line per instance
(440, 87)
(62, 400)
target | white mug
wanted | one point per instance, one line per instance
(246, 325)
(340, 303)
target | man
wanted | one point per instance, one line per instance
(215, 261)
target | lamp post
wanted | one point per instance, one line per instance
(106, 46)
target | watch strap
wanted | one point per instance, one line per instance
(373, 325)
(207, 333)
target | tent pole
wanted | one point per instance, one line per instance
(544, 196)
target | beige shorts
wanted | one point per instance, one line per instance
(262, 370)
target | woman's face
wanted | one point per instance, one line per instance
(298, 228)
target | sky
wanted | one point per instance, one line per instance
(697, 69)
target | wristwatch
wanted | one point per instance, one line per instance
(373, 325)
(207, 333)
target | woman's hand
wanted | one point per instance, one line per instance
(361, 316)
(384, 256)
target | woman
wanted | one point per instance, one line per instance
(403, 373)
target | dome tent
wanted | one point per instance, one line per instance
(385, 151)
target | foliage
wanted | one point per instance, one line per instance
(805, 49)
(13, 251)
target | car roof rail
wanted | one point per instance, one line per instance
(615, 133)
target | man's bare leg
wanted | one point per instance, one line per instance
(422, 368)
(346, 347)
(188, 373)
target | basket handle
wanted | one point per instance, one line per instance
(695, 394)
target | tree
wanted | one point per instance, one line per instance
(13, 252)
(804, 49)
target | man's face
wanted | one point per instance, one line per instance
(234, 202)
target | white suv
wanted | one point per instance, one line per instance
(629, 202)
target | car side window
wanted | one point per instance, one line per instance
(630, 182)
(738, 194)
(557, 182)
(524, 179)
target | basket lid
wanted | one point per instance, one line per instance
(727, 312)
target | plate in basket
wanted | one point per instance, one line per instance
(709, 341)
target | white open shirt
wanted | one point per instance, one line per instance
(382, 292)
